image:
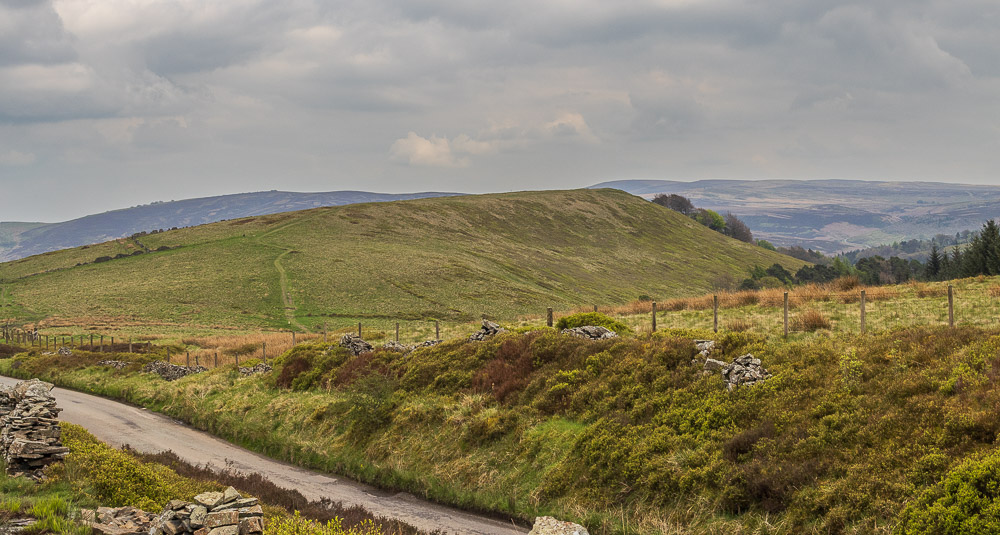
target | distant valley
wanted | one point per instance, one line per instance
(832, 216)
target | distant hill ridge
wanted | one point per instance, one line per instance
(836, 215)
(19, 240)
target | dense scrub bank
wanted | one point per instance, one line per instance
(625, 434)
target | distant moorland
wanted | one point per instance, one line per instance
(836, 215)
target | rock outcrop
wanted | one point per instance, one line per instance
(29, 431)
(355, 344)
(744, 371)
(407, 349)
(116, 364)
(64, 352)
(253, 370)
(171, 372)
(704, 347)
(546, 525)
(487, 330)
(592, 332)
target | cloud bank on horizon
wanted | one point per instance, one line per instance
(108, 103)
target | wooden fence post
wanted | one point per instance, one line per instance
(216, 359)
(437, 330)
(715, 313)
(951, 307)
(786, 314)
(359, 329)
(168, 355)
(129, 344)
(102, 343)
(293, 338)
(863, 326)
(548, 317)
(324, 332)
(654, 316)
(91, 341)
(197, 361)
(263, 351)
(595, 308)
(187, 359)
(397, 332)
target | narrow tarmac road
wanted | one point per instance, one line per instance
(118, 424)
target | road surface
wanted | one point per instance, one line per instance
(146, 431)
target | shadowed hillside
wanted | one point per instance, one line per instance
(451, 258)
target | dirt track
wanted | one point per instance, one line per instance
(118, 424)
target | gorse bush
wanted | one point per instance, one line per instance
(114, 478)
(967, 502)
(592, 318)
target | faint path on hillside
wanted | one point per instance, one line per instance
(119, 424)
(287, 301)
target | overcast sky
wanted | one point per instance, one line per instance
(111, 103)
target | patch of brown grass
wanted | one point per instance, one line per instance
(845, 284)
(738, 325)
(811, 320)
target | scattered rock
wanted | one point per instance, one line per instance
(171, 372)
(392, 345)
(355, 344)
(546, 525)
(252, 370)
(711, 365)
(746, 371)
(488, 329)
(592, 332)
(29, 431)
(120, 521)
(704, 347)
(117, 364)
(65, 352)
(219, 513)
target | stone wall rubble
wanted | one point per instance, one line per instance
(29, 429)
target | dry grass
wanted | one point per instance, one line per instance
(811, 320)
(994, 291)
(738, 325)
(237, 349)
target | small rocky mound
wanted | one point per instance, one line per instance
(171, 372)
(744, 371)
(212, 513)
(487, 330)
(30, 438)
(116, 364)
(392, 345)
(253, 370)
(355, 344)
(65, 352)
(546, 525)
(704, 347)
(592, 332)
(117, 521)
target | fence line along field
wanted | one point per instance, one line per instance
(842, 306)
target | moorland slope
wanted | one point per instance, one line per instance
(449, 258)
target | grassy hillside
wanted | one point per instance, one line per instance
(893, 432)
(452, 258)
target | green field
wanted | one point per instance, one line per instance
(452, 259)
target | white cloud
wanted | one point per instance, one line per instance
(433, 151)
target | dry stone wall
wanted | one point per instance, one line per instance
(29, 428)
(211, 513)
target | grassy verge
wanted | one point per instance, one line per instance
(623, 435)
(94, 474)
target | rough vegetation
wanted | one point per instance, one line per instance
(845, 433)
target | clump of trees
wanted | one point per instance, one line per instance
(979, 256)
(727, 224)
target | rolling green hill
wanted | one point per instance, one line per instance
(451, 258)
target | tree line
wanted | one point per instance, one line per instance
(727, 224)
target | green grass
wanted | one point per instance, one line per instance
(624, 435)
(451, 259)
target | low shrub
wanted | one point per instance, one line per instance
(967, 501)
(811, 320)
(592, 318)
